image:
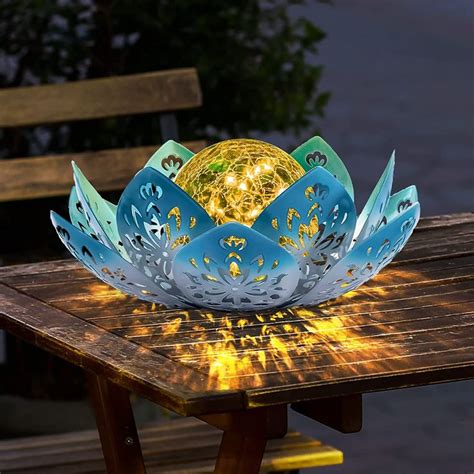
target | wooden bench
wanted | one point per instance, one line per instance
(47, 176)
(161, 92)
(178, 446)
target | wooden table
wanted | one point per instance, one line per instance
(411, 325)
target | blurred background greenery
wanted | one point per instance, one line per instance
(253, 60)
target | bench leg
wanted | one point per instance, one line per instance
(116, 425)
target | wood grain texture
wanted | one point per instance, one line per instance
(46, 176)
(445, 220)
(187, 444)
(99, 98)
(413, 324)
(438, 243)
(127, 364)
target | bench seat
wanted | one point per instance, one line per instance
(178, 446)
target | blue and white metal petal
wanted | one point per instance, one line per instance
(233, 267)
(366, 259)
(155, 218)
(398, 203)
(316, 152)
(314, 220)
(109, 266)
(371, 216)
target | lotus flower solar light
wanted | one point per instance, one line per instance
(241, 225)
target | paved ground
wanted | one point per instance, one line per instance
(402, 76)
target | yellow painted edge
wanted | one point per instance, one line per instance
(322, 456)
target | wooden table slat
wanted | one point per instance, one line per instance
(413, 324)
(170, 384)
(304, 326)
(423, 369)
(445, 220)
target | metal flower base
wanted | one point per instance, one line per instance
(307, 246)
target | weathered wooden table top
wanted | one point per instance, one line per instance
(411, 325)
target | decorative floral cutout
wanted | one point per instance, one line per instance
(172, 164)
(233, 267)
(314, 220)
(365, 260)
(316, 152)
(170, 158)
(155, 219)
(109, 266)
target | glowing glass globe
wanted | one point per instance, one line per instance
(235, 180)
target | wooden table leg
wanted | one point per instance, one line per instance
(245, 437)
(116, 425)
(240, 453)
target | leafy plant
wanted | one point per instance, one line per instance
(252, 57)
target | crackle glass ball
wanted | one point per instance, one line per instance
(234, 180)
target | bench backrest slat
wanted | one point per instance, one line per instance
(163, 92)
(100, 98)
(30, 178)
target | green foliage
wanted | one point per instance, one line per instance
(252, 58)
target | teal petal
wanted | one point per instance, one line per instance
(316, 152)
(78, 216)
(155, 218)
(399, 202)
(170, 158)
(106, 264)
(99, 213)
(314, 220)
